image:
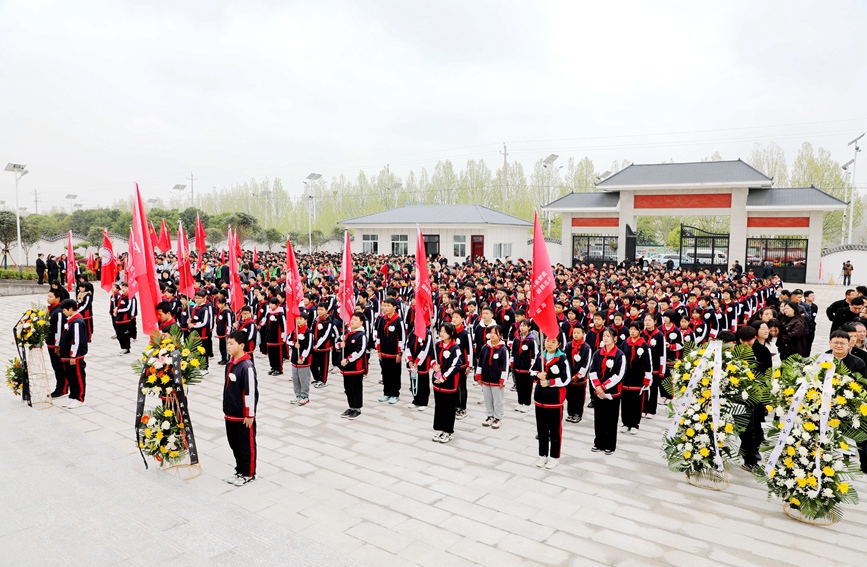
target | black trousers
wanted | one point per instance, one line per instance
(862, 454)
(76, 378)
(123, 335)
(319, 365)
(275, 357)
(524, 385)
(753, 436)
(224, 354)
(353, 386)
(390, 377)
(422, 393)
(549, 426)
(444, 411)
(41, 276)
(133, 329)
(630, 408)
(208, 343)
(462, 390)
(61, 385)
(242, 441)
(576, 394)
(605, 423)
(651, 396)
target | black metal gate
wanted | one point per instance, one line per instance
(631, 239)
(702, 250)
(594, 249)
(784, 256)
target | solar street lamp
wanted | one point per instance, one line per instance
(854, 181)
(20, 171)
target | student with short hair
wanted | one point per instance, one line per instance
(240, 398)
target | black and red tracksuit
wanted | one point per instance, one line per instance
(72, 349)
(549, 401)
(240, 399)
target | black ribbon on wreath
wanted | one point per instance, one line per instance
(181, 395)
(139, 412)
(22, 354)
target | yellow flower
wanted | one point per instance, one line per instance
(148, 432)
(795, 501)
(790, 451)
(812, 481)
(840, 400)
(690, 432)
(705, 394)
(40, 322)
(812, 394)
(173, 454)
(856, 386)
(810, 426)
(159, 435)
(729, 428)
(788, 391)
(201, 350)
(681, 421)
(826, 365)
(704, 451)
(702, 417)
(834, 422)
(802, 482)
(731, 367)
(828, 471)
(701, 352)
(141, 444)
(705, 381)
(843, 487)
(750, 375)
(687, 454)
(168, 413)
(773, 473)
(164, 449)
(185, 352)
(165, 379)
(184, 365)
(152, 378)
(835, 382)
(788, 462)
(844, 445)
(683, 388)
(734, 381)
(677, 364)
(769, 408)
(195, 362)
(170, 347)
(149, 348)
(863, 409)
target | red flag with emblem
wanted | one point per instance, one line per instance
(423, 295)
(201, 243)
(108, 269)
(165, 238)
(71, 263)
(346, 290)
(142, 273)
(294, 288)
(542, 286)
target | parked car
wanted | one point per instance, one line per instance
(664, 258)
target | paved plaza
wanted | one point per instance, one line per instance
(375, 491)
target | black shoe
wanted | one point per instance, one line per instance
(609, 451)
(57, 394)
(354, 414)
(595, 449)
(578, 419)
(590, 405)
(222, 363)
(278, 373)
(748, 467)
(347, 413)
(758, 457)
(270, 373)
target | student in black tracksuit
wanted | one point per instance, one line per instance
(201, 322)
(273, 335)
(419, 361)
(240, 398)
(468, 352)
(656, 344)
(390, 337)
(72, 349)
(56, 322)
(525, 351)
(247, 324)
(353, 365)
(552, 376)
(323, 337)
(606, 377)
(223, 328)
(446, 367)
(123, 318)
(637, 379)
(580, 356)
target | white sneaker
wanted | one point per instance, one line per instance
(633, 431)
(446, 438)
(518, 407)
(412, 406)
(421, 408)
(624, 429)
(542, 462)
(437, 436)
(525, 409)
(73, 404)
(552, 463)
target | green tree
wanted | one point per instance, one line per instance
(29, 234)
(771, 160)
(188, 217)
(8, 229)
(672, 240)
(94, 236)
(270, 236)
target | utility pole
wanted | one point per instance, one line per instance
(36, 201)
(854, 181)
(192, 190)
(504, 188)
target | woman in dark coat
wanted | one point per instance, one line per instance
(53, 269)
(796, 329)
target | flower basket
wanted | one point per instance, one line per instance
(711, 479)
(831, 518)
(33, 327)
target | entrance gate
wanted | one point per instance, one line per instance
(702, 250)
(631, 240)
(785, 256)
(594, 249)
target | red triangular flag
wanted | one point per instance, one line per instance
(108, 269)
(143, 276)
(165, 238)
(542, 285)
(255, 256)
(236, 294)
(223, 253)
(185, 275)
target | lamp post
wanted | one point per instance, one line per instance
(179, 188)
(854, 181)
(19, 171)
(71, 197)
(310, 207)
(848, 181)
(548, 164)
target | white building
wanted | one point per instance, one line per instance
(452, 231)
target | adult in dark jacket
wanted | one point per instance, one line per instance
(53, 269)
(796, 329)
(849, 313)
(40, 269)
(832, 309)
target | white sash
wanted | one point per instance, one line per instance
(682, 403)
(789, 422)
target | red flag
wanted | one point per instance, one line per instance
(185, 275)
(223, 252)
(165, 240)
(294, 288)
(423, 295)
(90, 265)
(201, 243)
(155, 241)
(108, 272)
(236, 294)
(71, 264)
(237, 250)
(384, 271)
(346, 291)
(255, 256)
(542, 286)
(143, 275)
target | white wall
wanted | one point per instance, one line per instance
(516, 236)
(832, 267)
(58, 247)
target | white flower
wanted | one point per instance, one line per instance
(842, 412)
(804, 461)
(680, 447)
(745, 395)
(163, 351)
(805, 436)
(166, 425)
(848, 394)
(688, 447)
(780, 412)
(802, 451)
(790, 483)
(158, 364)
(798, 472)
(828, 493)
(790, 440)
(826, 457)
(856, 423)
(171, 438)
(837, 466)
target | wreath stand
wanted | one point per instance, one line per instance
(828, 520)
(40, 388)
(709, 479)
(183, 469)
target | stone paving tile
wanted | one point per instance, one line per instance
(375, 490)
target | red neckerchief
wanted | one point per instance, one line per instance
(491, 350)
(606, 354)
(576, 346)
(634, 343)
(75, 316)
(459, 328)
(389, 320)
(442, 350)
(168, 323)
(232, 363)
(550, 363)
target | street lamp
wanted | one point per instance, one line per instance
(310, 205)
(71, 197)
(854, 181)
(19, 171)
(848, 180)
(547, 163)
(179, 188)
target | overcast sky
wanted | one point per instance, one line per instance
(97, 95)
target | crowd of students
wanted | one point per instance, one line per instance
(622, 328)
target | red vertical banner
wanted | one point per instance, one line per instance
(108, 262)
(542, 286)
(71, 263)
(185, 275)
(165, 238)
(143, 276)
(201, 243)
(255, 256)
(423, 296)
(294, 288)
(235, 292)
(346, 291)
